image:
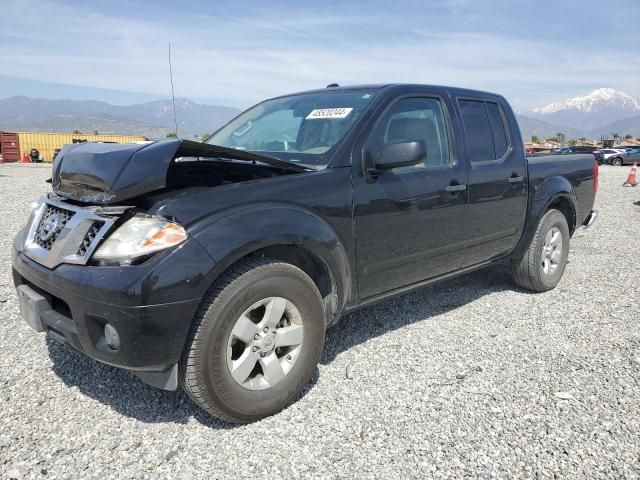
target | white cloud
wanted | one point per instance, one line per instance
(246, 59)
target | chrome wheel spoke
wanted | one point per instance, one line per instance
(271, 368)
(243, 366)
(289, 336)
(273, 312)
(244, 329)
(551, 251)
(264, 343)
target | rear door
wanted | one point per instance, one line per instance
(409, 222)
(497, 179)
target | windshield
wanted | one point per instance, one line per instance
(300, 128)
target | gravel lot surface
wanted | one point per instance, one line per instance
(470, 378)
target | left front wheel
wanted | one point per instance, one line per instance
(255, 342)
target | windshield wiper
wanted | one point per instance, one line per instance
(189, 148)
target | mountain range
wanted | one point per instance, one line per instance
(597, 109)
(604, 111)
(151, 119)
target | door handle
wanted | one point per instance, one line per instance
(515, 179)
(456, 188)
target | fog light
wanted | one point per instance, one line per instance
(111, 336)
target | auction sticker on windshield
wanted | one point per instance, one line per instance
(329, 113)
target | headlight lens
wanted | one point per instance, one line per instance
(138, 237)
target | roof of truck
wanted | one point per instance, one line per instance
(380, 86)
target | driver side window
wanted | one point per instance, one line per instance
(414, 119)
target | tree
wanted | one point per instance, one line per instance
(535, 139)
(172, 135)
(561, 137)
(572, 143)
(77, 132)
(615, 136)
(95, 132)
(628, 136)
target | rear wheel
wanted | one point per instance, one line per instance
(617, 162)
(541, 267)
(255, 342)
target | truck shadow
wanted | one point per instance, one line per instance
(375, 320)
(123, 391)
(127, 395)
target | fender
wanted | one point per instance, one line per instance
(274, 224)
(546, 192)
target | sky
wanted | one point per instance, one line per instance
(235, 53)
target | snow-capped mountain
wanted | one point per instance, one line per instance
(596, 109)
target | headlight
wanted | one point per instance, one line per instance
(139, 237)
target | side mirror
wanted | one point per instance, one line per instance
(399, 154)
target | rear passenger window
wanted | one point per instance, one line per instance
(485, 129)
(497, 128)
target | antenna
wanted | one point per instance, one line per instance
(173, 97)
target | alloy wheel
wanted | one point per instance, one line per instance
(265, 342)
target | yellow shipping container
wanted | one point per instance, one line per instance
(47, 143)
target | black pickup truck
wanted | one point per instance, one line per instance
(219, 265)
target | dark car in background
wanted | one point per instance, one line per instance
(583, 149)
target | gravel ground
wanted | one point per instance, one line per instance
(469, 378)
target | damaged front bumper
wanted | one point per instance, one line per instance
(149, 306)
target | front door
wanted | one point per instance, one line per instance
(409, 221)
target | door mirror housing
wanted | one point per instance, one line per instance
(399, 154)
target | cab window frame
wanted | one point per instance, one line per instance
(505, 124)
(453, 161)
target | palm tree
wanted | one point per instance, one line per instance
(561, 137)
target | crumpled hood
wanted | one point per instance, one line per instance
(106, 173)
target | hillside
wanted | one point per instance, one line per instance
(621, 127)
(532, 126)
(152, 119)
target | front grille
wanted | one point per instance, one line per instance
(89, 238)
(50, 226)
(64, 233)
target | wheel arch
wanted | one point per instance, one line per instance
(285, 233)
(563, 204)
(553, 193)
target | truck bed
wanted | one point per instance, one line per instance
(578, 170)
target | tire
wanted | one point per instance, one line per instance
(536, 270)
(616, 162)
(214, 347)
